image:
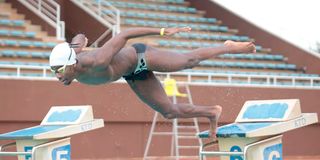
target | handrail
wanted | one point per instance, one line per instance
(207, 79)
(49, 11)
(105, 13)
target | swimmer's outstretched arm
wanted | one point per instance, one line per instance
(105, 54)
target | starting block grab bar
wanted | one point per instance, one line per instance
(51, 139)
(257, 131)
(15, 153)
(32, 152)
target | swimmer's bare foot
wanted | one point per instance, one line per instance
(216, 112)
(240, 47)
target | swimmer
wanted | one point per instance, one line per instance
(136, 64)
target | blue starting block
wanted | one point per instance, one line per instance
(257, 131)
(51, 139)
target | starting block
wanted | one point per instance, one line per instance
(257, 131)
(51, 139)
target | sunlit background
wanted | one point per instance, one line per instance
(296, 21)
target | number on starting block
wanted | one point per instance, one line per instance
(28, 149)
(273, 152)
(61, 153)
(235, 149)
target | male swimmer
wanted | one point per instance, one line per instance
(136, 64)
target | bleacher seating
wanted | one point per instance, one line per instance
(23, 63)
(149, 23)
(24, 54)
(254, 56)
(17, 33)
(206, 32)
(22, 44)
(169, 8)
(251, 73)
(191, 44)
(18, 43)
(171, 1)
(214, 37)
(134, 14)
(209, 63)
(8, 22)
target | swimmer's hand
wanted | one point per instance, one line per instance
(171, 31)
(85, 42)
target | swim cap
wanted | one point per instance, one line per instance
(62, 54)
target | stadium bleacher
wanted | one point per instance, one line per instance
(164, 7)
(153, 16)
(22, 44)
(207, 32)
(18, 44)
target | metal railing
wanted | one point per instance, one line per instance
(244, 80)
(105, 13)
(49, 11)
(192, 78)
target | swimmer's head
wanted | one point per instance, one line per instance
(61, 58)
(62, 55)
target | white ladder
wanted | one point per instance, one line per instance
(190, 131)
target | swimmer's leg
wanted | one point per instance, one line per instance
(151, 92)
(167, 61)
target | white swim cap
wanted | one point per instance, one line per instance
(62, 54)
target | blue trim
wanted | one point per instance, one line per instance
(64, 153)
(240, 129)
(70, 115)
(266, 111)
(236, 129)
(29, 133)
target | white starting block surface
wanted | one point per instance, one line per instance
(257, 122)
(51, 136)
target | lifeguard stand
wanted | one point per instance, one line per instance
(257, 131)
(51, 139)
(171, 88)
